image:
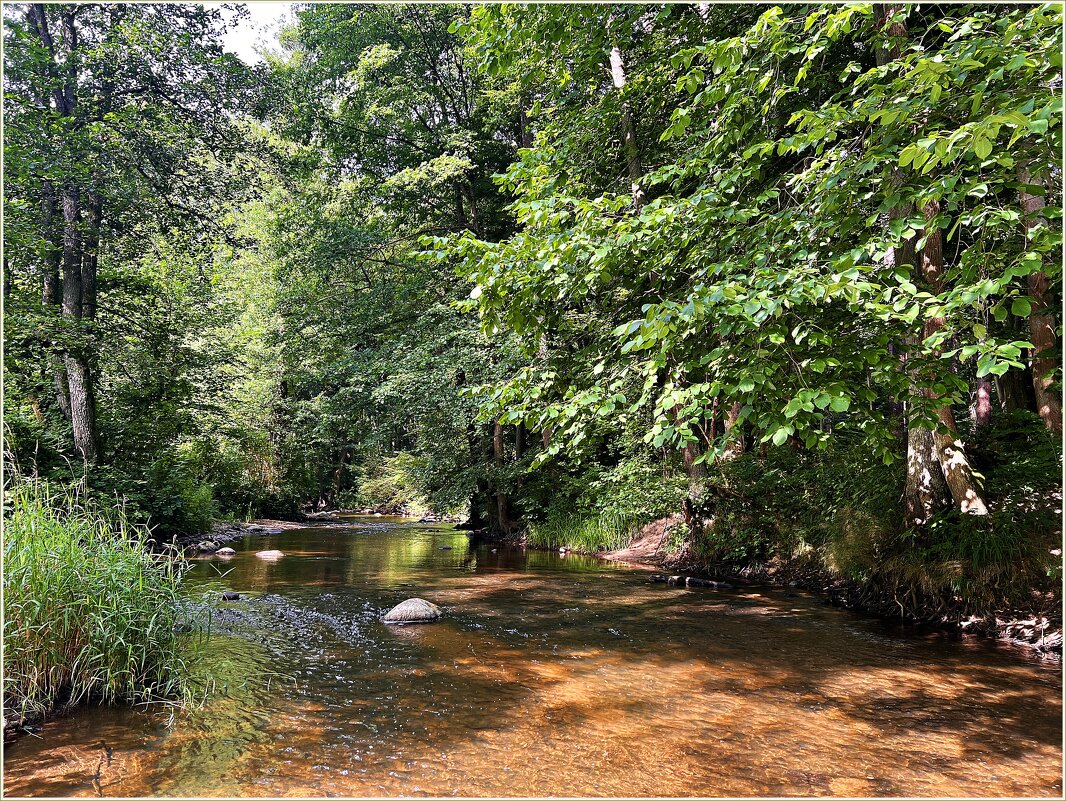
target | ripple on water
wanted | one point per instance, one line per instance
(552, 676)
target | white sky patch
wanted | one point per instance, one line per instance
(258, 31)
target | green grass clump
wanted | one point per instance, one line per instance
(607, 531)
(90, 613)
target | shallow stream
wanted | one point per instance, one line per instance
(551, 675)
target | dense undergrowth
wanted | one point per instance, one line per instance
(837, 516)
(91, 613)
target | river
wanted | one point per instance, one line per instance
(551, 675)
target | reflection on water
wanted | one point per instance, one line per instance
(551, 676)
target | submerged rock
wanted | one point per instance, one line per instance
(269, 554)
(225, 552)
(413, 610)
(231, 596)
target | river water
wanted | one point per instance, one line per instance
(551, 676)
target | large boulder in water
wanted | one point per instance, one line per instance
(269, 554)
(413, 610)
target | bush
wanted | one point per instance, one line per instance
(90, 613)
(391, 485)
(177, 502)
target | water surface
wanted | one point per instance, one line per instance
(552, 676)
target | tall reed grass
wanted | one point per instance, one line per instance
(607, 531)
(90, 612)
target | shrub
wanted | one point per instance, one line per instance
(90, 613)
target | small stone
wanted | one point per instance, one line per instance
(206, 546)
(695, 582)
(270, 555)
(657, 578)
(446, 547)
(231, 596)
(413, 610)
(225, 552)
(675, 581)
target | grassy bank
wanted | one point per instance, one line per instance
(90, 613)
(602, 532)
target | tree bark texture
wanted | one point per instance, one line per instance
(1041, 318)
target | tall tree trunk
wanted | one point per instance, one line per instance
(90, 254)
(958, 473)
(1041, 318)
(51, 288)
(502, 501)
(542, 356)
(629, 130)
(75, 359)
(925, 490)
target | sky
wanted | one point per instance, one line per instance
(259, 28)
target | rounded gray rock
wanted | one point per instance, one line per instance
(269, 554)
(225, 552)
(413, 610)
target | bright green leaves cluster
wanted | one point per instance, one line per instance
(792, 165)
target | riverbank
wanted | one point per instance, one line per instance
(1039, 627)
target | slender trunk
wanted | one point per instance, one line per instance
(79, 377)
(734, 435)
(525, 136)
(476, 520)
(51, 288)
(467, 191)
(90, 251)
(1013, 389)
(629, 131)
(1041, 318)
(981, 410)
(502, 501)
(542, 356)
(958, 474)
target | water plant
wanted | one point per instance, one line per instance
(602, 532)
(91, 613)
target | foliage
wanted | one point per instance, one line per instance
(757, 273)
(90, 611)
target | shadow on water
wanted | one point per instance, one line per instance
(551, 675)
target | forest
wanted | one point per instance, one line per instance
(779, 283)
